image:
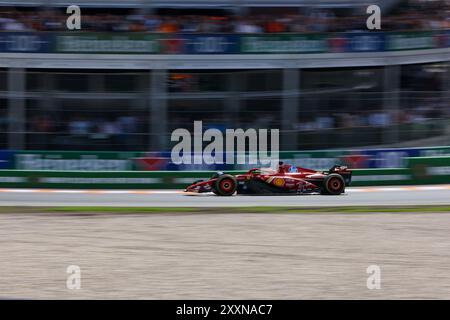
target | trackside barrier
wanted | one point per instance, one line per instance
(42, 160)
(429, 170)
(381, 177)
(101, 179)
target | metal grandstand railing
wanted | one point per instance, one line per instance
(106, 110)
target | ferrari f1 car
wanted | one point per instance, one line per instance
(286, 179)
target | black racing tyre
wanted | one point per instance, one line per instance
(333, 184)
(225, 185)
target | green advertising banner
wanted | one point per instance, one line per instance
(410, 41)
(284, 43)
(381, 177)
(107, 43)
(75, 160)
(430, 170)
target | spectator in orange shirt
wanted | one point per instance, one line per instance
(168, 26)
(275, 26)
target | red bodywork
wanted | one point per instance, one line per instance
(286, 179)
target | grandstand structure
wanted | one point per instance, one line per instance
(121, 91)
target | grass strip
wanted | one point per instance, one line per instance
(261, 209)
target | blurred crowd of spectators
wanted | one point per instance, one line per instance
(86, 131)
(84, 125)
(375, 118)
(129, 132)
(425, 16)
(99, 128)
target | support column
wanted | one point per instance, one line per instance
(290, 109)
(391, 100)
(159, 136)
(46, 101)
(446, 84)
(47, 108)
(445, 97)
(139, 138)
(16, 108)
(96, 84)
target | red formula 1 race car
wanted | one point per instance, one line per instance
(286, 180)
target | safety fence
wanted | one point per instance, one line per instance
(148, 43)
(420, 170)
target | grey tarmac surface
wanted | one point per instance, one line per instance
(428, 195)
(225, 256)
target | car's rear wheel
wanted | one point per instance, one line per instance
(333, 184)
(225, 185)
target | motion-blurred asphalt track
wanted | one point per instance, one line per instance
(177, 255)
(401, 195)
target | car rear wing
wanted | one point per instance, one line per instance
(342, 171)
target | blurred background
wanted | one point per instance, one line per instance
(95, 108)
(309, 68)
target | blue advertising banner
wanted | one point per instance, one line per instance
(210, 44)
(25, 42)
(392, 158)
(388, 158)
(146, 43)
(6, 159)
(365, 42)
